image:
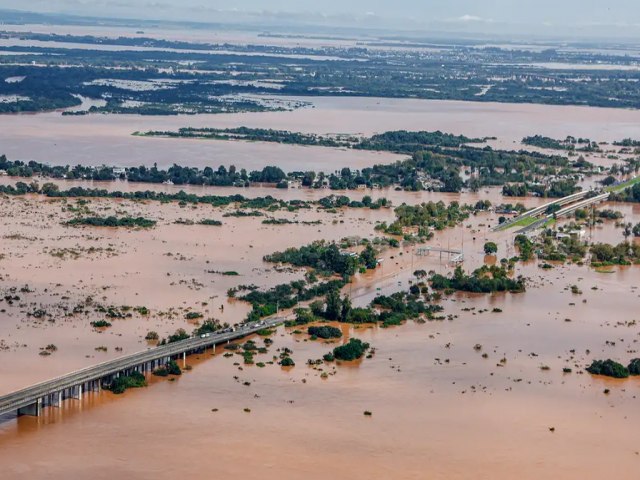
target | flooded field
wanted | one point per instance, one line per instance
(439, 408)
(495, 388)
(107, 139)
(166, 269)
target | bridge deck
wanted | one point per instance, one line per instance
(28, 396)
(534, 212)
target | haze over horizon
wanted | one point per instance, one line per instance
(491, 17)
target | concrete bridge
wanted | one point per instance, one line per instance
(537, 211)
(30, 400)
(565, 212)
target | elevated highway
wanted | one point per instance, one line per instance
(30, 400)
(537, 211)
(564, 212)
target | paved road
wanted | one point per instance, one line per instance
(534, 212)
(564, 212)
(30, 395)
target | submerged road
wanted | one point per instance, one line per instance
(30, 400)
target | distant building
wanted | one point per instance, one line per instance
(410, 230)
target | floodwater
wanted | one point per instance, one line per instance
(170, 269)
(439, 409)
(17, 42)
(237, 37)
(106, 139)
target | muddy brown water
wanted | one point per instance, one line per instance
(439, 409)
(106, 139)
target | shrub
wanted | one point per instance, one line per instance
(287, 362)
(325, 332)
(490, 248)
(100, 324)
(353, 350)
(608, 368)
(161, 372)
(122, 383)
(173, 368)
(634, 367)
(180, 334)
(151, 335)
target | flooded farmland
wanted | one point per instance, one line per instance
(492, 387)
(444, 408)
(108, 140)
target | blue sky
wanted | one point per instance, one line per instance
(480, 15)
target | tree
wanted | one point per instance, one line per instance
(353, 350)
(346, 309)
(608, 181)
(525, 246)
(636, 230)
(608, 368)
(317, 308)
(308, 179)
(368, 257)
(420, 274)
(490, 248)
(334, 305)
(50, 188)
(602, 252)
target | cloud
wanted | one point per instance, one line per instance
(470, 19)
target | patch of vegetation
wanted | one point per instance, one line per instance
(266, 303)
(608, 368)
(120, 384)
(287, 362)
(151, 335)
(490, 248)
(100, 324)
(209, 326)
(603, 254)
(171, 368)
(425, 217)
(112, 221)
(178, 336)
(324, 257)
(325, 332)
(353, 350)
(210, 222)
(483, 280)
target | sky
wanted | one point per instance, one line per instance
(549, 17)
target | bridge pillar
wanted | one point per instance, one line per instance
(184, 359)
(76, 392)
(33, 410)
(56, 399)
